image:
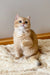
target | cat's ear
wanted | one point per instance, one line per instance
(17, 16)
(28, 17)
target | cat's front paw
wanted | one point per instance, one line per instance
(17, 57)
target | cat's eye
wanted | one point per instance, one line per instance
(26, 22)
(20, 21)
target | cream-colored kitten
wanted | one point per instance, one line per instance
(25, 40)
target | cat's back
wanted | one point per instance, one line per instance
(34, 37)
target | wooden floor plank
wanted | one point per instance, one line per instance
(6, 41)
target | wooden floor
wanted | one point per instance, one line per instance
(6, 41)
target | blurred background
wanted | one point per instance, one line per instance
(39, 10)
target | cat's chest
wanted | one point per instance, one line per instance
(20, 31)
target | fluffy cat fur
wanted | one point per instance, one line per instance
(25, 39)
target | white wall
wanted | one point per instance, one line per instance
(39, 10)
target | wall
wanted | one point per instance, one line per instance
(39, 10)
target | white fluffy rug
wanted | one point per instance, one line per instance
(25, 66)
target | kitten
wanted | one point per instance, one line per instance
(25, 40)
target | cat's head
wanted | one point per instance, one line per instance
(22, 22)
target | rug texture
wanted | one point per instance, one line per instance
(25, 66)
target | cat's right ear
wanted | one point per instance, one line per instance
(17, 16)
(28, 17)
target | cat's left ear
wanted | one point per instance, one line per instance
(17, 16)
(29, 17)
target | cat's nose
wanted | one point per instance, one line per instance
(23, 24)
